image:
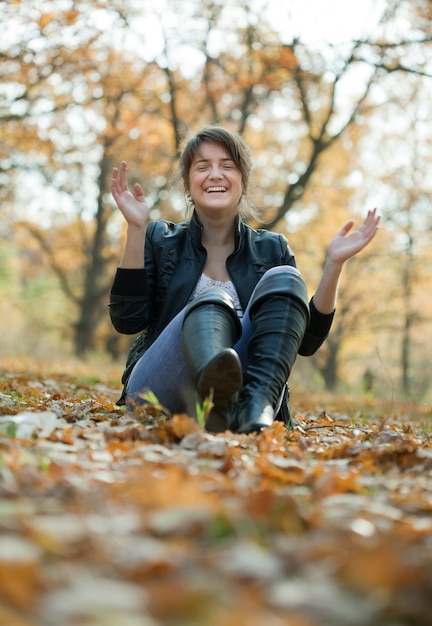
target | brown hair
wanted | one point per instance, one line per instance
(238, 151)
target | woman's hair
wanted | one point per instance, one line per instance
(238, 151)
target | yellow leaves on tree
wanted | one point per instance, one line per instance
(60, 17)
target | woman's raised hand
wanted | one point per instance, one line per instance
(343, 246)
(132, 205)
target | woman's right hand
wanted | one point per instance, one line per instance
(132, 205)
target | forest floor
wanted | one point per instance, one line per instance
(112, 520)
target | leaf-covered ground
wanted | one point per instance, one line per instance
(109, 520)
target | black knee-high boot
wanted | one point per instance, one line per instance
(279, 314)
(210, 328)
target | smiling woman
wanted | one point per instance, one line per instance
(221, 307)
(231, 153)
(214, 183)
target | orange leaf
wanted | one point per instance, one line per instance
(332, 482)
(63, 436)
(9, 617)
(19, 583)
(183, 425)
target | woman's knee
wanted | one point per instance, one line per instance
(289, 270)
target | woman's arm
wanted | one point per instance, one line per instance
(341, 248)
(323, 303)
(136, 213)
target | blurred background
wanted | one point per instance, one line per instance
(333, 96)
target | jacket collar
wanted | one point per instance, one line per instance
(196, 228)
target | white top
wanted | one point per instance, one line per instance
(204, 283)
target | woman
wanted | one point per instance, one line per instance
(221, 307)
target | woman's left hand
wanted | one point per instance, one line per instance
(343, 246)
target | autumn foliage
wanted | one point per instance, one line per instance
(337, 120)
(107, 518)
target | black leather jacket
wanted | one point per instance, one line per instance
(145, 300)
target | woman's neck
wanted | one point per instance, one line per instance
(217, 232)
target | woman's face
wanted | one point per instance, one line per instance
(215, 182)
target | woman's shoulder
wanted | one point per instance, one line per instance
(161, 229)
(264, 235)
(270, 245)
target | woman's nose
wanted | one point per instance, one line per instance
(216, 172)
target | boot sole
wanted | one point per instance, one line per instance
(253, 416)
(224, 376)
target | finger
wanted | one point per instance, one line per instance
(372, 217)
(372, 220)
(123, 175)
(376, 218)
(139, 193)
(345, 229)
(369, 232)
(114, 182)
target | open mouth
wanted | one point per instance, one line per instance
(216, 190)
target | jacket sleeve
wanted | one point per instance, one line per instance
(319, 324)
(129, 301)
(317, 331)
(131, 297)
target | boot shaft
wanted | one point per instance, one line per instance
(279, 317)
(210, 325)
(210, 328)
(278, 327)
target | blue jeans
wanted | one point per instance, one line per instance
(162, 369)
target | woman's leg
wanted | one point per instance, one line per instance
(273, 328)
(204, 332)
(210, 328)
(162, 370)
(242, 344)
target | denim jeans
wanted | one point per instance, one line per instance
(162, 369)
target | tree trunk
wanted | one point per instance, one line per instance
(329, 369)
(95, 292)
(407, 284)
